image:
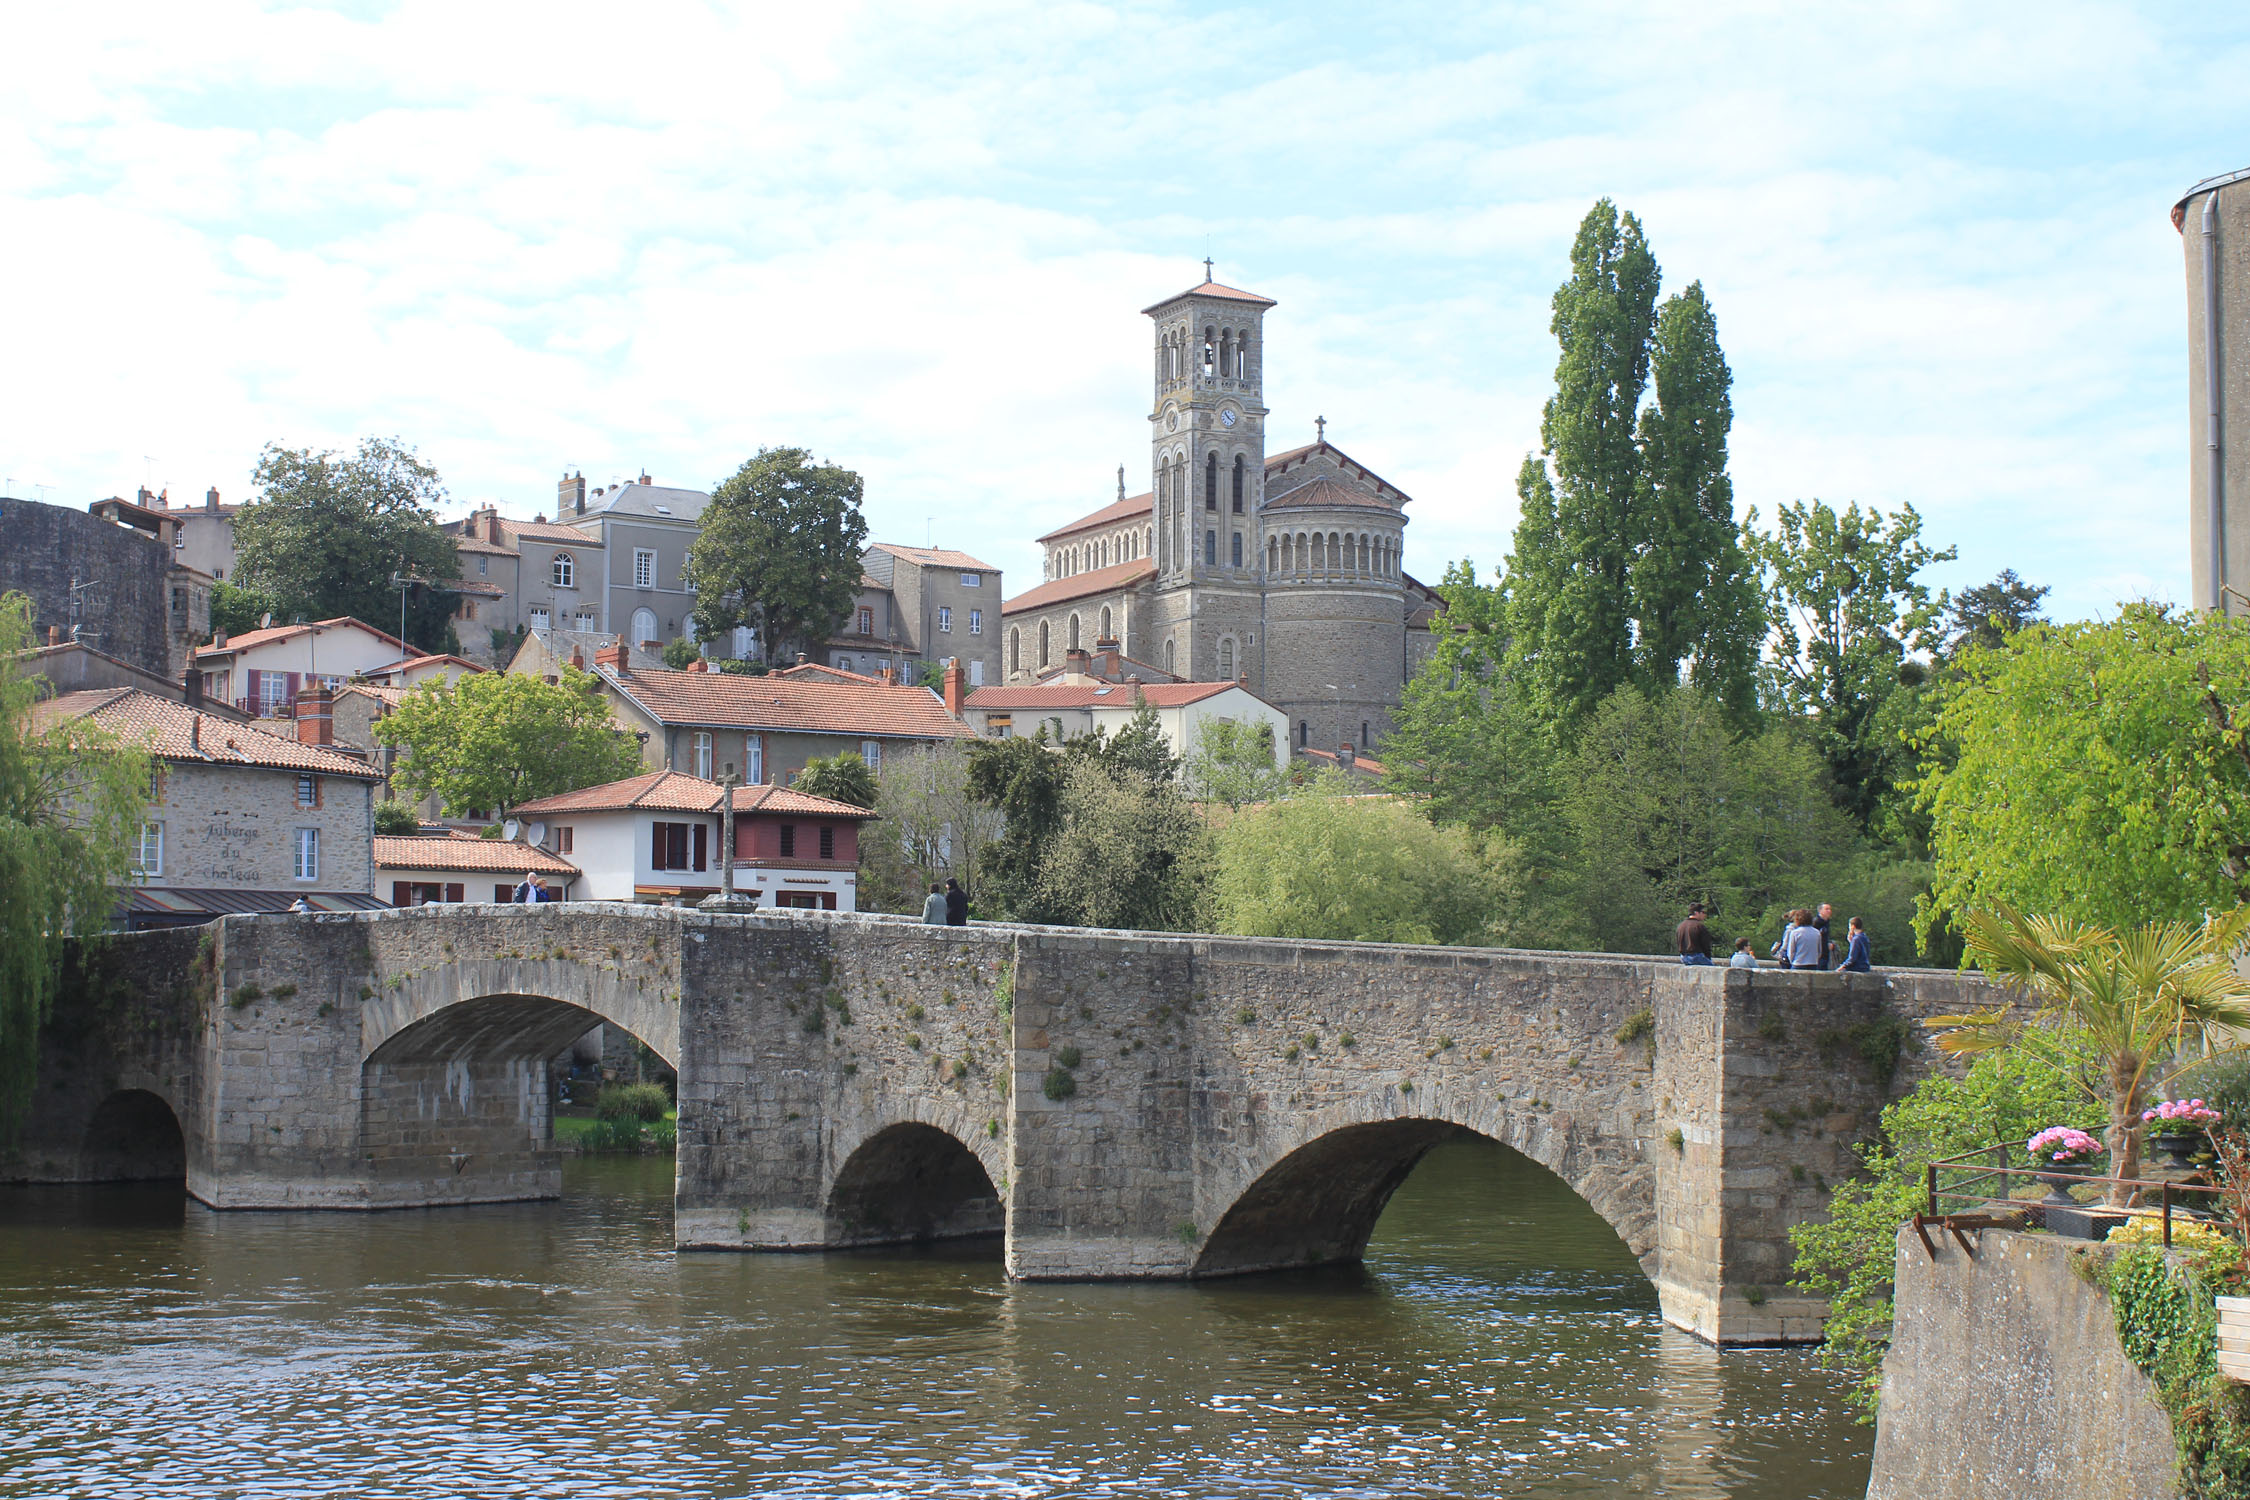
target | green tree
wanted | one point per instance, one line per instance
(494, 741)
(1985, 616)
(1575, 540)
(680, 653)
(1140, 747)
(237, 611)
(1666, 804)
(1129, 852)
(2093, 771)
(1695, 591)
(842, 777)
(1848, 610)
(394, 819)
(1361, 869)
(1022, 781)
(1234, 763)
(1467, 743)
(779, 551)
(929, 827)
(327, 533)
(1848, 1256)
(72, 798)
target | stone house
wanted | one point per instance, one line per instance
(109, 578)
(918, 606)
(202, 535)
(1069, 707)
(645, 530)
(544, 653)
(428, 869)
(656, 837)
(714, 724)
(242, 819)
(72, 666)
(261, 672)
(526, 575)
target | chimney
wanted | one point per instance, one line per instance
(211, 498)
(1109, 655)
(219, 641)
(191, 688)
(1076, 662)
(578, 658)
(54, 635)
(803, 657)
(956, 685)
(699, 665)
(890, 675)
(314, 726)
(145, 497)
(570, 495)
(612, 657)
(492, 526)
(644, 479)
(1346, 753)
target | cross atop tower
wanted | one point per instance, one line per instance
(1320, 425)
(1206, 268)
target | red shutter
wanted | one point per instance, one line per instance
(456, 893)
(402, 893)
(503, 893)
(296, 681)
(250, 678)
(656, 846)
(701, 832)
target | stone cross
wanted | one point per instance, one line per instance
(1321, 424)
(727, 784)
(1206, 268)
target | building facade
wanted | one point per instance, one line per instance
(1069, 707)
(109, 577)
(919, 607)
(1281, 571)
(430, 869)
(525, 575)
(261, 672)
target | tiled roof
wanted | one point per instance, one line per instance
(458, 850)
(1127, 666)
(934, 557)
(1327, 494)
(1079, 585)
(250, 638)
(776, 702)
(676, 791)
(481, 589)
(662, 502)
(173, 731)
(547, 531)
(389, 697)
(1108, 515)
(1367, 763)
(477, 544)
(1097, 695)
(821, 671)
(1211, 288)
(1283, 462)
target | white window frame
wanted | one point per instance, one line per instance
(945, 618)
(148, 860)
(972, 580)
(702, 753)
(754, 759)
(273, 691)
(644, 567)
(871, 754)
(308, 792)
(484, 567)
(563, 571)
(583, 620)
(540, 618)
(976, 622)
(307, 854)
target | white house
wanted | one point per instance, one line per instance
(655, 837)
(261, 672)
(430, 868)
(1069, 707)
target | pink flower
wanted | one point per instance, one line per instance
(2182, 1114)
(2063, 1144)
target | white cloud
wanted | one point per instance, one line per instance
(915, 241)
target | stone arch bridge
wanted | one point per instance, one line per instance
(1118, 1105)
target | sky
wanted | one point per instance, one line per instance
(915, 239)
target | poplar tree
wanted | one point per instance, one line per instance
(1568, 576)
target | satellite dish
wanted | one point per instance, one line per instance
(537, 834)
(508, 830)
(265, 621)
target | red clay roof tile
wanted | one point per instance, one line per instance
(173, 731)
(1122, 575)
(779, 702)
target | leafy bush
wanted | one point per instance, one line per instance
(394, 818)
(2223, 1082)
(632, 1101)
(1848, 1257)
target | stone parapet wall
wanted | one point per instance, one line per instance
(2005, 1377)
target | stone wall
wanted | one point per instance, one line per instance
(43, 547)
(236, 827)
(2005, 1377)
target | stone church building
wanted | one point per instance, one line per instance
(1280, 570)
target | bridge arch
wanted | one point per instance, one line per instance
(1313, 1195)
(504, 1006)
(134, 1135)
(911, 1183)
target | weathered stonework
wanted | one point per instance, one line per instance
(1122, 1104)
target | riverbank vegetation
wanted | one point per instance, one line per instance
(627, 1118)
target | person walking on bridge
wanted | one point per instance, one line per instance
(534, 888)
(1693, 940)
(956, 904)
(933, 906)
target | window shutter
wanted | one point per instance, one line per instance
(250, 678)
(456, 893)
(700, 833)
(656, 846)
(503, 893)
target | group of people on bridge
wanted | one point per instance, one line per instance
(1805, 943)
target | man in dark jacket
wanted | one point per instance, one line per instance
(1693, 939)
(956, 904)
(1826, 915)
(534, 888)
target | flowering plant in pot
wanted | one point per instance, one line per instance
(2178, 1126)
(2062, 1152)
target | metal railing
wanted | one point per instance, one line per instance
(1978, 1189)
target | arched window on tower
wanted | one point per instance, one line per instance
(1042, 643)
(1169, 659)
(1304, 733)
(1211, 480)
(1074, 632)
(1015, 649)
(1241, 471)
(1242, 355)
(1226, 658)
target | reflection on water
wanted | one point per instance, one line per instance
(1499, 1341)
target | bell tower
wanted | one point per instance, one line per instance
(1207, 438)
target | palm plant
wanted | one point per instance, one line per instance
(2107, 1008)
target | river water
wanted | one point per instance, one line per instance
(1499, 1341)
